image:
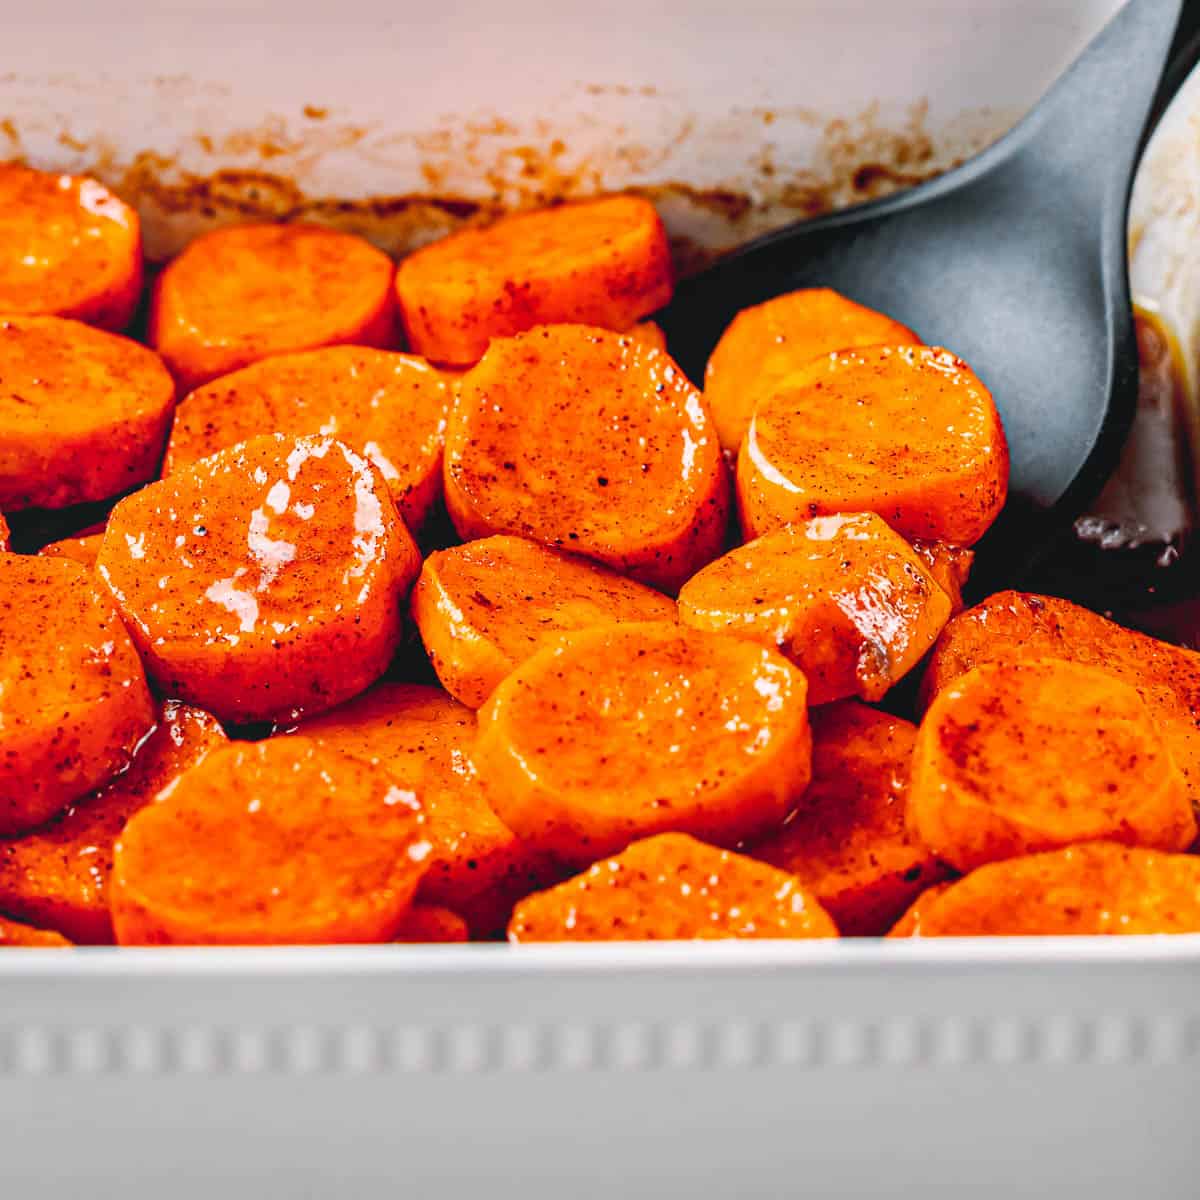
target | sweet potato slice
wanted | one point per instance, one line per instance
(907, 432)
(484, 607)
(1014, 758)
(585, 440)
(623, 731)
(478, 867)
(73, 697)
(845, 598)
(671, 888)
(56, 876)
(949, 565)
(389, 407)
(279, 841)
(14, 934)
(766, 343)
(604, 262)
(912, 920)
(83, 550)
(250, 291)
(847, 841)
(429, 923)
(83, 413)
(68, 248)
(264, 582)
(1011, 626)
(1097, 888)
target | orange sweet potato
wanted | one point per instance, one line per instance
(14, 934)
(847, 841)
(429, 923)
(73, 697)
(845, 598)
(766, 343)
(670, 888)
(56, 876)
(247, 292)
(4, 534)
(423, 739)
(907, 432)
(82, 550)
(949, 565)
(485, 607)
(1096, 888)
(623, 731)
(1011, 626)
(651, 335)
(263, 582)
(911, 922)
(68, 248)
(389, 407)
(585, 440)
(604, 262)
(279, 841)
(83, 413)
(1018, 757)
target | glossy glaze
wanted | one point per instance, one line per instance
(265, 581)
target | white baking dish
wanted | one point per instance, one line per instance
(1057, 1068)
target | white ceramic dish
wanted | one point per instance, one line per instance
(1059, 1068)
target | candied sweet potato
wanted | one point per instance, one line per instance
(4, 534)
(250, 291)
(14, 934)
(766, 343)
(1017, 757)
(844, 597)
(907, 432)
(389, 407)
(73, 697)
(423, 738)
(68, 248)
(56, 876)
(280, 841)
(602, 262)
(619, 732)
(265, 581)
(83, 550)
(1011, 626)
(1097, 888)
(847, 842)
(949, 565)
(83, 413)
(911, 921)
(587, 441)
(484, 607)
(670, 888)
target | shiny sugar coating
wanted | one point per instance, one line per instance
(266, 581)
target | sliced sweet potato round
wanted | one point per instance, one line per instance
(83, 413)
(73, 697)
(250, 291)
(68, 248)
(423, 738)
(907, 432)
(484, 607)
(14, 934)
(603, 262)
(623, 731)
(1011, 626)
(279, 841)
(1097, 888)
(766, 343)
(390, 407)
(1014, 758)
(83, 550)
(584, 440)
(670, 888)
(56, 876)
(845, 598)
(265, 581)
(847, 841)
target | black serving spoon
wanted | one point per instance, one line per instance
(1015, 260)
